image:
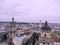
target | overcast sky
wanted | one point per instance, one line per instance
(30, 10)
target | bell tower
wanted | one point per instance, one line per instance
(12, 32)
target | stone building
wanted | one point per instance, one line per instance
(12, 32)
(46, 35)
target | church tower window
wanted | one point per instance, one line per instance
(45, 35)
(43, 43)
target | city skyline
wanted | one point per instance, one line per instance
(30, 10)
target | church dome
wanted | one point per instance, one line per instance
(46, 26)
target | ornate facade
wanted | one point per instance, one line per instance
(46, 35)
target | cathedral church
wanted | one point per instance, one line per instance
(46, 35)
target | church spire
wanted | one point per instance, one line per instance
(40, 24)
(46, 23)
(12, 19)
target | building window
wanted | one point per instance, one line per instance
(45, 35)
(43, 43)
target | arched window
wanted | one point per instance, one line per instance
(45, 35)
(43, 43)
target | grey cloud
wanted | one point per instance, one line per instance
(30, 10)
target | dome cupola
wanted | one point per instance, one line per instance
(46, 26)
